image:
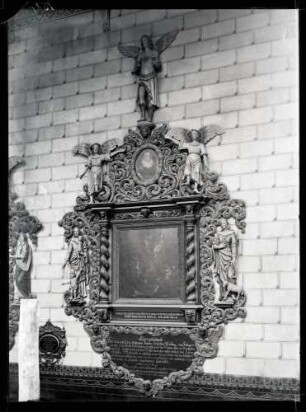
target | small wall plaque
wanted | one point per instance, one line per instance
(52, 344)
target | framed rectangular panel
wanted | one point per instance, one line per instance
(148, 263)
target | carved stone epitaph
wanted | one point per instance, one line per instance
(128, 312)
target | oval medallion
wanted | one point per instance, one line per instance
(147, 165)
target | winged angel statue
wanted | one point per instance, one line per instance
(97, 154)
(195, 141)
(147, 65)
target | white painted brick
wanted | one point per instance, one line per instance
(232, 183)
(231, 349)
(170, 113)
(24, 136)
(186, 66)
(275, 162)
(217, 154)
(249, 263)
(67, 89)
(64, 172)
(272, 65)
(239, 166)
(65, 63)
(37, 148)
(109, 95)
(40, 286)
(225, 14)
(248, 367)
(92, 57)
(278, 297)
(42, 120)
(288, 211)
(51, 187)
(188, 36)
(60, 145)
(53, 105)
(257, 180)
(48, 300)
(281, 368)
(254, 298)
(80, 73)
(51, 132)
(16, 99)
(255, 52)
(290, 315)
(92, 112)
(286, 111)
(249, 196)
(290, 351)
(26, 190)
(96, 360)
(185, 96)
(282, 16)
(107, 123)
(58, 315)
(285, 79)
(165, 25)
(263, 315)
(25, 110)
(277, 229)
(38, 202)
(284, 46)
(75, 129)
(219, 90)
(195, 122)
(122, 22)
(75, 329)
(79, 100)
(255, 116)
(289, 280)
(67, 116)
(226, 120)
(220, 59)
(74, 358)
(117, 80)
(165, 85)
(201, 48)
(287, 177)
(84, 345)
(237, 71)
(202, 108)
(263, 350)
(63, 200)
(272, 97)
(106, 68)
(254, 84)
(246, 101)
(286, 145)
(124, 106)
(200, 18)
(235, 40)
(91, 85)
(276, 195)
(58, 256)
(253, 22)
(40, 175)
(199, 79)
(107, 39)
(241, 134)
(218, 29)
(262, 246)
(216, 365)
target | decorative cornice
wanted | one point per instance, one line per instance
(200, 386)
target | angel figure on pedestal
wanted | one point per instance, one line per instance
(96, 155)
(194, 141)
(147, 65)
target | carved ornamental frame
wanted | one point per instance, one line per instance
(124, 198)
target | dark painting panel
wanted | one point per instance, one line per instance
(149, 263)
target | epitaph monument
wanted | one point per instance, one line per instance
(155, 237)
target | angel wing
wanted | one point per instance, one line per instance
(129, 51)
(13, 162)
(109, 145)
(177, 135)
(163, 42)
(82, 149)
(210, 132)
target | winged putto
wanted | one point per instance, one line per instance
(97, 155)
(147, 65)
(194, 141)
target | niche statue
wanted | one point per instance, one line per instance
(147, 65)
(97, 155)
(194, 141)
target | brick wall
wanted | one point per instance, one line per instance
(236, 68)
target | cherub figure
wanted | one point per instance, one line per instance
(96, 155)
(194, 141)
(147, 65)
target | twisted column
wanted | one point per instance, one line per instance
(190, 257)
(104, 269)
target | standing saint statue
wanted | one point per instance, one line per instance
(225, 255)
(21, 272)
(97, 155)
(77, 258)
(147, 66)
(194, 141)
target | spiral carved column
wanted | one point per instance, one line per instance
(104, 270)
(190, 258)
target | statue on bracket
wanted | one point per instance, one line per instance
(147, 66)
(97, 156)
(225, 248)
(77, 258)
(195, 141)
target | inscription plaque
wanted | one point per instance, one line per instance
(48, 343)
(151, 357)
